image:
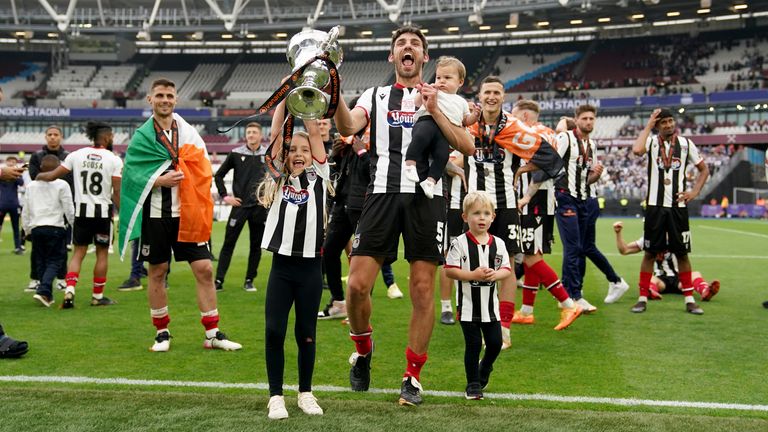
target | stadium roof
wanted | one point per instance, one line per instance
(263, 20)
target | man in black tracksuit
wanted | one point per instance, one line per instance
(248, 163)
(353, 167)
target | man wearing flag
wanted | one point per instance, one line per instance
(166, 201)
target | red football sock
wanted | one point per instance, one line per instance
(549, 278)
(507, 311)
(161, 323)
(362, 341)
(210, 322)
(415, 363)
(644, 284)
(98, 285)
(72, 278)
(700, 285)
(686, 283)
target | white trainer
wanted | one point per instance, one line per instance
(394, 292)
(276, 408)
(586, 307)
(221, 342)
(32, 287)
(162, 342)
(616, 290)
(308, 404)
(506, 338)
(61, 285)
(337, 310)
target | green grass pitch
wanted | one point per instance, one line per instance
(661, 355)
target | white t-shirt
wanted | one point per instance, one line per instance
(453, 106)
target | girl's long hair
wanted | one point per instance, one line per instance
(270, 189)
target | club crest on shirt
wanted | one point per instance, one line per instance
(497, 261)
(675, 164)
(356, 241)
(145, 250)
(399, 118)
(232, 222)
(293, 196)
(311, 174)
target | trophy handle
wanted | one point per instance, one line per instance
(333, 34)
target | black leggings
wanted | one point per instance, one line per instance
(473, 339)
(292, 280)
(428, 140)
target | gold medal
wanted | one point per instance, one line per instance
(667, 182)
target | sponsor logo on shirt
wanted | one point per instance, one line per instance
(294, 196)
(94, 157)
(400, 118)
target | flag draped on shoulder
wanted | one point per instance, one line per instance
(529, 143)
(145, 160)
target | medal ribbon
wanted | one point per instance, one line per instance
(173, 145)
(667, 157)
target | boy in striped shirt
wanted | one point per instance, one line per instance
(476, 260)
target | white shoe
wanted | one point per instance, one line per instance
(61, 285)
(586, 307)
(506, 338)
(221, 342)
(616, 290)
(277, 409)
(308, 404)
(338, 309)
(428, 186)
(162, 342)
(394, 292)
(411, 173)
(91, 249)
(45, 301)
(111, 250)
(32, 287)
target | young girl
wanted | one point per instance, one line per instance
(476, 260)
(294, 233)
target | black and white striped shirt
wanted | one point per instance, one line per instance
(390, 110)
(477, 301)
(93, 169)
(492, 168)
(453, 188)
(579, 156)
(296, 220)
(665, 183)
(665, 264)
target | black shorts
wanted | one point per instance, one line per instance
(507, 227)
(534, 237)
(454, 227)
(671, 284)
(420, 220)
(96, 230)
(666, 229)
(159, 236)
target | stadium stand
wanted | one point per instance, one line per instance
(203, 78)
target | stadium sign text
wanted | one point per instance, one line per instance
(566, 104)
(33, 112)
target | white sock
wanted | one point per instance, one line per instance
(70, 289)
(567, 303)
(210, 334)
(98, 296)
(642, 299)
(526, 310)
(446, 305)
(689, 299)
(163, 330)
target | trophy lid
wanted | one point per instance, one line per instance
(310, 43)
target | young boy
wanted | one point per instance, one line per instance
(47, 206)
(427, 140)
(476, 260)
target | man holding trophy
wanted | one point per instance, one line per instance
(393, 207)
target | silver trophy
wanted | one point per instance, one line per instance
(308, 100)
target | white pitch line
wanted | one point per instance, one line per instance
(328, 388)
(746, 233)
(697, 256)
